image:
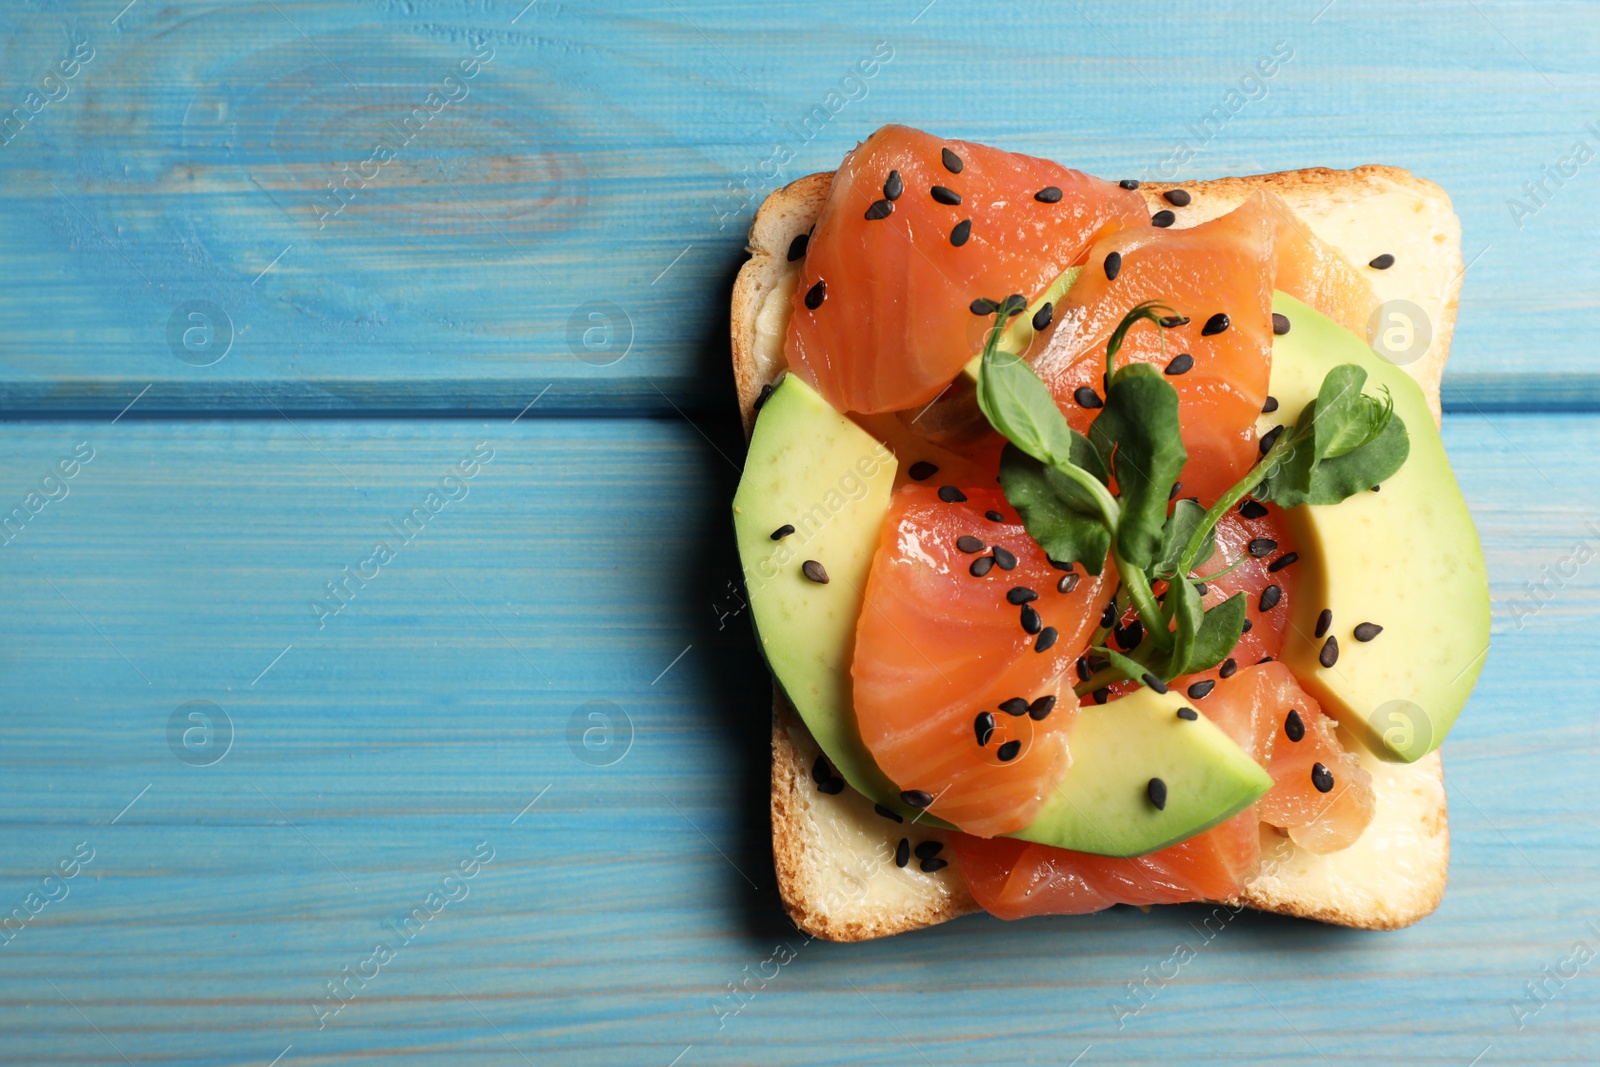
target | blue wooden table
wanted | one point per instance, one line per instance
(266, 312)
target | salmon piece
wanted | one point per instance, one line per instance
(937, 647)
(881, 319)
(1318, 819)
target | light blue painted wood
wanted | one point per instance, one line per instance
(616, 153)
(589, 558)
(585, 558)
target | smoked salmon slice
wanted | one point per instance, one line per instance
(914, 230)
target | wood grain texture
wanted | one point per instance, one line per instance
(576, 593)
(584, 559)
(613, 156)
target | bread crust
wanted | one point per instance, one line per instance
(809, 862)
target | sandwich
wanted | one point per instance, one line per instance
(1100, 538)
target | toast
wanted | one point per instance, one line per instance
(834, 854)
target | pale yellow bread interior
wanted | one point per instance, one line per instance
(834, 853)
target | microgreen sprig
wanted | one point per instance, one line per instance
(1060, 480)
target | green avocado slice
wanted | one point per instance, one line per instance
(1407, 559)
(811, 468)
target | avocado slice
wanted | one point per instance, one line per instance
(1103, 804)
(1405, 558)
(812, 468)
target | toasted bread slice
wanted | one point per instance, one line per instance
(835, 855)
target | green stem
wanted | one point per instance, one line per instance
(1144, 601)
(1229, 500)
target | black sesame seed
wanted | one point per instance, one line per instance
(1045, 640)
(1129, 183)
(952, 162)
(1253, 509)
(880, 209)
(1270, 439)
(1330, 652)
(833, 786)
(969, 544)
(981, 566)
(1383, 262)
(1201, 689)
(1014, 706)
(1202, 588)
(983, 727)
(1154, 683)
(902, 853)
(1188, 714)
(1229, 666)
(1270, 406)
(962, 230)
(1322, 778)
(1181, 363)
(922, 470)
(1366, 631)
(1113, 265)
(951, 495)
(1042, 317)
(1004, 559)
(1282, 561)
(1262, 546)
(893, 187)
(1324, 621)
(1170, 321)
(1020, 595)
(933, 865)
(1008, 751)
(994, 516)
(1108, 616)
(1157, 791)
(926, 850)
(1068, 583)
(1294, 727)
(816, 295)
(1087, 397)
(1269, 598)
(1041, 708)
(822, 770)
(1163, 218)
(892, 816)
(1172, 494)
(1215, 324)
(1376, 488)
(945, 195)
(815, 571)
(1246, 628)
(1280, 324)
(1263, 659)
(1176, 197)
(916, 798)
(1102, 694)
(1058, 565)
(783, 531)
(1130, 635)
(983, 306)
(797, 247)
(1048, 195)
(763, 396)
(1031, 623)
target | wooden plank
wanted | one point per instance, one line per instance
(606, 161)
(588, 561)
